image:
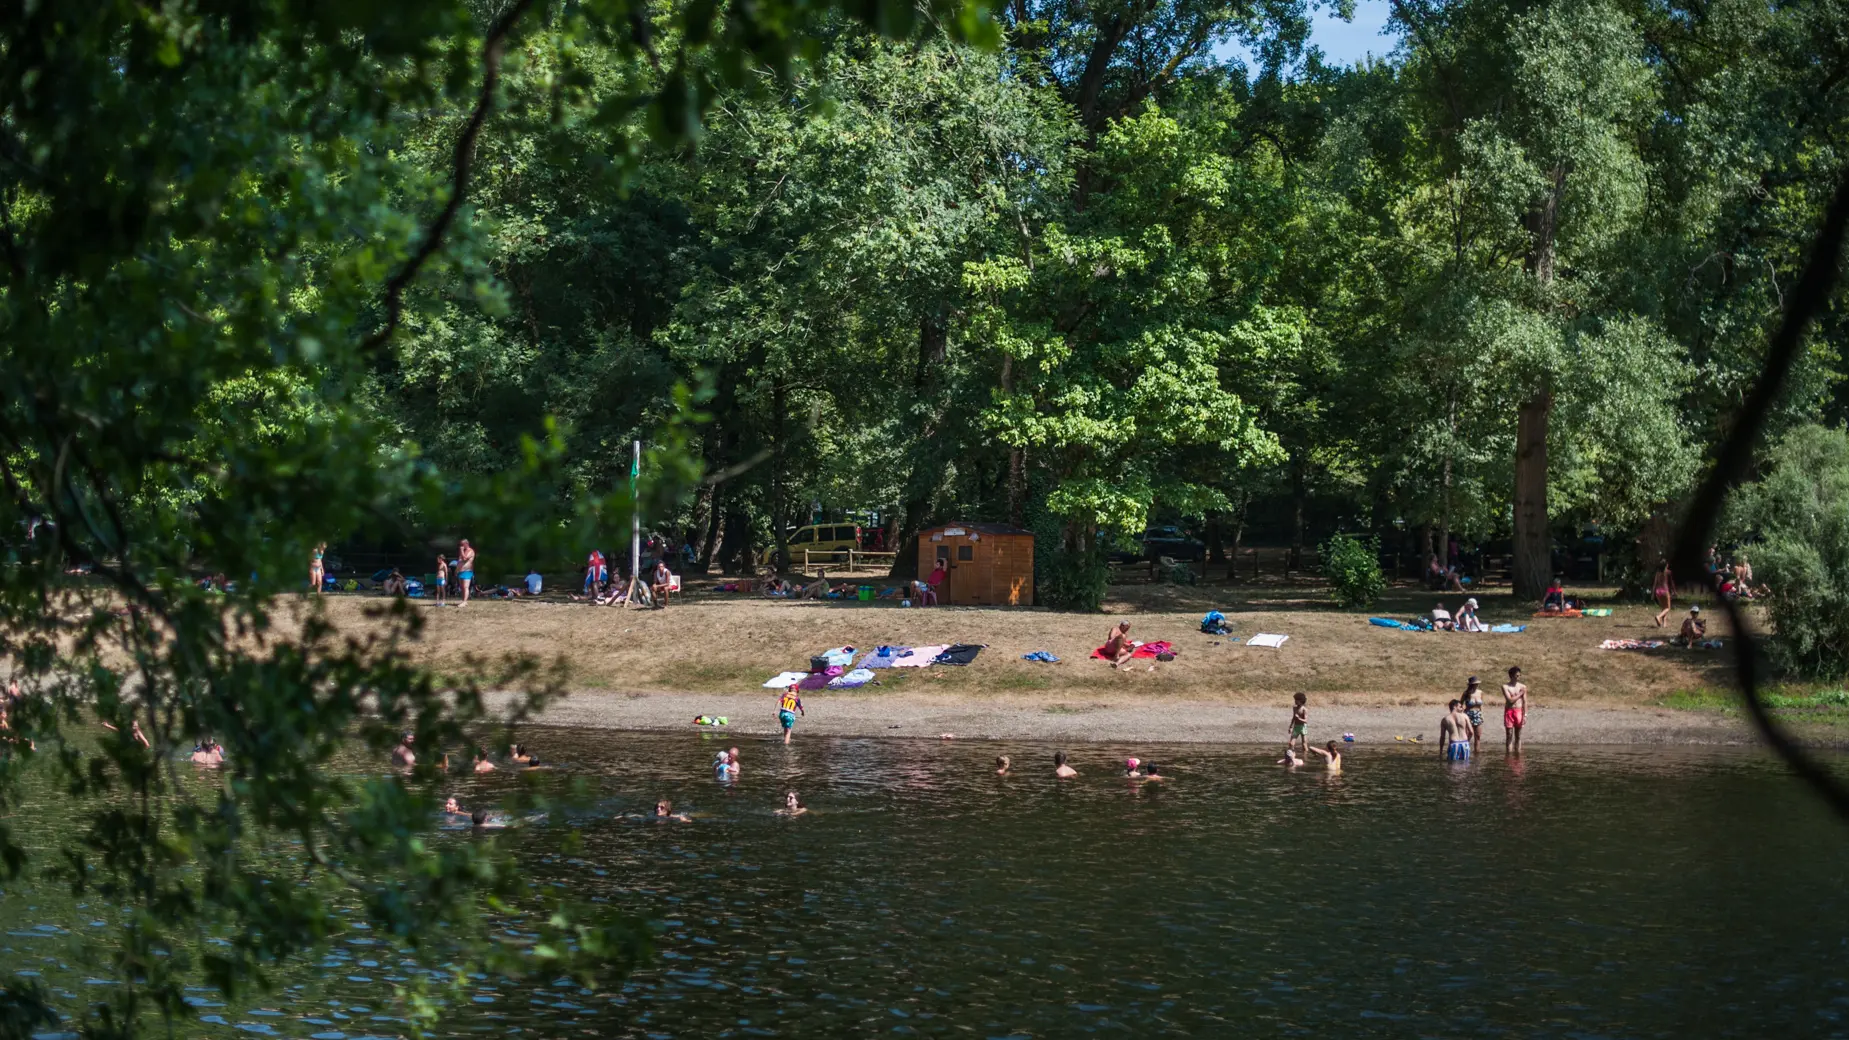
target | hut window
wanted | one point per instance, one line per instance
(964, 552)
(943, 552)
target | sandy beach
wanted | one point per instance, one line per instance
(1167, 721)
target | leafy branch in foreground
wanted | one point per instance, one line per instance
(192, 283)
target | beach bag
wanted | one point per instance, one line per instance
(818, 663)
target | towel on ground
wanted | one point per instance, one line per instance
(1267, 639)
(850, 680)
(884, 656)
(959, 653)
(1633, 644)
(1040, 655)
(786, 679)
(920, 657)
(1387, 622)
(1508, 628)
(1597, 612)
(840, 655)
(1102, 656)
(1558, 613)
(1155, 649)
(819, 680)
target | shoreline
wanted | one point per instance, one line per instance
(1168, 721)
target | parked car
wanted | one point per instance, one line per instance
(827, 543)
(1172, 542)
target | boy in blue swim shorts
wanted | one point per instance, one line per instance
(788, 707)
(1454, 732)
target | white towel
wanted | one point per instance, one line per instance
(1263, 639)
(786, 679)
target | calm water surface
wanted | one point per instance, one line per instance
(1574, 893)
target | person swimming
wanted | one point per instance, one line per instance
(792, 806)
(664, 810)
(1290, 757)
(451, 807)
(1331, 755)
(518, 754)
(1152, 771)
(1130, 768)
(482, 765)
(1060, 768)
(402, 755)
(1002, 765)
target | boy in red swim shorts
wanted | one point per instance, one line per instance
(1514, 712)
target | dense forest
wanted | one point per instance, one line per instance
(1510, 280)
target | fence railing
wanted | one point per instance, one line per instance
(852, 559)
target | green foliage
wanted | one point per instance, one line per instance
(1799, 517)
(1352, 566)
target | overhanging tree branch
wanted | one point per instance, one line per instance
(1731, 462)
(493, 46)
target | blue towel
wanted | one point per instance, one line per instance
(1040, 655)
(1508, 628)
(1387, 622)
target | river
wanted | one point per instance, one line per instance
(1593, 892)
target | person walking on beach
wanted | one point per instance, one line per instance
(1299, 723)
(1514, 712)
(1664, 588)
(317, 568)
(789, 706)
(465, 568)
(1454, 733)
(1473, 710)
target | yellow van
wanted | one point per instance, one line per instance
(828, 544)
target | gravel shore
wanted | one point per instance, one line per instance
(1165, 720)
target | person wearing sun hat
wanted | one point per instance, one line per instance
(1694, 628)
(1467, 620)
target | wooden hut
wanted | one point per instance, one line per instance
(985, 564)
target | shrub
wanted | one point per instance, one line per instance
(1800, 515)
(1353, 569)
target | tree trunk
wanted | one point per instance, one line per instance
(1533, 560)
(779, 536)
(933, 347)
(1444, 521)
(736, 544)
(715, 523)
(1297, 496)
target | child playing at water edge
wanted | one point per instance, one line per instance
(1290, 758)
(1299, 723)
(789, 706)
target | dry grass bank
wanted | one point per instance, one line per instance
(720, 643)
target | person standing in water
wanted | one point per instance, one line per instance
(465, 568)
(789, 705)
(1060, 768)
(1514, 712)
(1454, 732)
(1333, 756)
(1473, 710)
(317, 568)
(1299, 723)
(1002, 765)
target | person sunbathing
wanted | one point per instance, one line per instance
(1467, 620)
(1694, 628)
(1441, 619)
(817, 588)
(1117, 646)
(1555, 598)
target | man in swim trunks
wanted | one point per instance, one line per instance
(1454, 732)
(1117, 645)
(465, 568)
(789, 706)
(1514, 712)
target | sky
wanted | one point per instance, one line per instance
(1343, 43)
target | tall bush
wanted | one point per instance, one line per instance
(1352, 566)
(1797, 521)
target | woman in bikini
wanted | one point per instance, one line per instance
(1473, 709)
(1664, 587)
(317, 570)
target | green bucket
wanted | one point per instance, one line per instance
(866, 593)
